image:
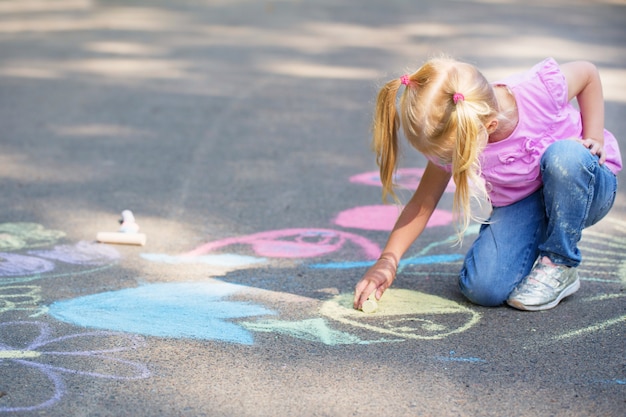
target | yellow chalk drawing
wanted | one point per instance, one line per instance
(16, 236)
(21, 297)
(405, 314)
(589, 329)
(18, 354)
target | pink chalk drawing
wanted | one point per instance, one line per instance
(408, 178)
(43, 360)
(294, 243)
(383, 217)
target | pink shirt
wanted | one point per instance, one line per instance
(511, 167)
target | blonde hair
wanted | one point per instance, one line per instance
(448, 132)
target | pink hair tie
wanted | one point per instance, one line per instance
(405, 79)
(458, 97)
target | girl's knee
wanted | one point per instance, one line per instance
(483, 291)
(565, 158)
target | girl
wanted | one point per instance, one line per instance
(548, 169)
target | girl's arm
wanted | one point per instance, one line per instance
(407, 229)
(583, 82)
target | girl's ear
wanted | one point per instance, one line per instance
(492, 125)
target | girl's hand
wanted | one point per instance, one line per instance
(377, 279)
(595, 147)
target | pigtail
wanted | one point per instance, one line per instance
(385, 136)
(470, 139)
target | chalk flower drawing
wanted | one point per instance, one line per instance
(29, 357)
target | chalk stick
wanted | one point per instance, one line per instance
(370, 305)
(122, 238)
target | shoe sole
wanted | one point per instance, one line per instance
(565, 293)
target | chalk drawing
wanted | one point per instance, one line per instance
(16, 236)
(224, 259)
(408, 178)
(605, 254)
(179, 310)
(21, 298)
(423, 260)
(453, 358)
(295, 243)
(82, 253)
(404, 314)
(28, 278)
(604, 257)
(18, 265)
(43, 360)
(419, 258)
(612, 381)
(38, 264)
(593, 328)
(383, 217)
(314, 330)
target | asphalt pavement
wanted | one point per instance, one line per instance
(238, 134)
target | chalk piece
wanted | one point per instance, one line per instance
(370, 305)
(122, 238)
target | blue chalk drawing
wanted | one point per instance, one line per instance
(422, 260)
(453, 358)
(178, 310)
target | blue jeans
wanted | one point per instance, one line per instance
(577, 192)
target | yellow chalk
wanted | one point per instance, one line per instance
(370, 305)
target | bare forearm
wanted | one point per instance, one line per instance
(408, 227)
(591, 104)
(584, 84)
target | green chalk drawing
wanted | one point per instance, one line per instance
(16, 236)
(605, 254)
(404, 314)
(21, 298)
(314, 330)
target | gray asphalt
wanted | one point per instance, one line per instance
(237, 132)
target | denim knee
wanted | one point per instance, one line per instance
(564, 159)
(482, 290)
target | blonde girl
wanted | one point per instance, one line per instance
(548, 169)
